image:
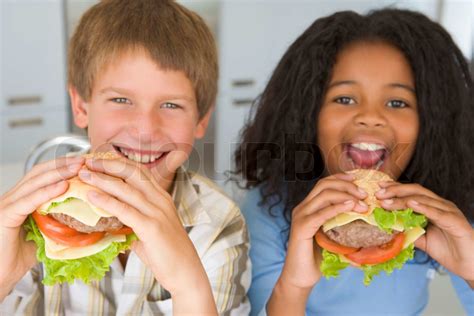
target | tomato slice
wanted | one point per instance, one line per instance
(323, 240)
(125, 230)
(378, 254)
(64, 234)
(48, 223)
(79, 240)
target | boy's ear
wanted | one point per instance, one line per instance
(79, 108)
(203, 123)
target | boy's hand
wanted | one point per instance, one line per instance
(43, 183)
(138, 201)
(331, 196)
(449, 238)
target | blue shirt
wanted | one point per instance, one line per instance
(404, 292)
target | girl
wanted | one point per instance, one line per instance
(389, 90)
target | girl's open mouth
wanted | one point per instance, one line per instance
(365, 155)
(149, 159)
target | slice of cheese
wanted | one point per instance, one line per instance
(78, 190)
(58, 251)
(346, 218)
(79, 210)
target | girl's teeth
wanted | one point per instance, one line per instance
(368, 146)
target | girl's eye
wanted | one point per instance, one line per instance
(397, 104)
(169, 105)
(120, 100)
(345, 100)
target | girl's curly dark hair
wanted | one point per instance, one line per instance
(278, 151)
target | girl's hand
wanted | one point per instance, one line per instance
(449, 239)
(43, 183)
(137, 200)
(331, 196)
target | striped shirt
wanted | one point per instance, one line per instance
(214, 225)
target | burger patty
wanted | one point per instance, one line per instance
(104, 224)
(359, 234)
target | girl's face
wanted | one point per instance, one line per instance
(369, 116)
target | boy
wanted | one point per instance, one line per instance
(143, 81)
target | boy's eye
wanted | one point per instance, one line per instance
(397, 104)
(345, 100)
(169, 105)
(120, 100)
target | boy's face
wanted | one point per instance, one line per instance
(143, 112)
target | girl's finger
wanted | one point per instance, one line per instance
(133, 174)
(404, 190)
(41, 180)
(420, 243)
(116, 187)
(336, 184)
(401, 203)
(331, 197)
(14, 214)
(127, 214)
(448, 221)
(317, 219)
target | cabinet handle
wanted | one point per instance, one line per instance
(29, 99)
(243, 82)
(243, 102)
(35, 121)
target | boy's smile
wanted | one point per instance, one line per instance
(369, 116)
(143, 112)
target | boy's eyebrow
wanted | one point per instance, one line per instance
(129, 92)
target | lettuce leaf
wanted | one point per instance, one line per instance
(85, 269)
(331, 264)
(386, 219)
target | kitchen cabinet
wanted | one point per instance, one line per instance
(33, 99)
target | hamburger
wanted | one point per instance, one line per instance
(375, 241)
(74, 238)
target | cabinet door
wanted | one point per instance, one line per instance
(19, 133)
(32, 54)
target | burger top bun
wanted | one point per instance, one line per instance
(368, 180)
(78, 189)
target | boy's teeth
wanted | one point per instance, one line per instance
(138, 157)
(368, 146)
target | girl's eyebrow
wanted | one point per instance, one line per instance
(394, 85)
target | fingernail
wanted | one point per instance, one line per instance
(84, 174)
(414, 202)
(74, 167)
(349, 202)
(388, 202)
(93, 194)
(362, 191)
(381, 192)
(363, 204)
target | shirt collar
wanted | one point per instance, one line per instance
(185, 195)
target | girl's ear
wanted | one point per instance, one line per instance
(79, 108)
(203, 123)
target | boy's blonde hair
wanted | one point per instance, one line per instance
(173, 36)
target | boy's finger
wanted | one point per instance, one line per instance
(42, 180)
(127, 214)
(133, 174)
(119, 189)
(50, 165)
(14, 214)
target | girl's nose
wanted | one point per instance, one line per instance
(370, 116)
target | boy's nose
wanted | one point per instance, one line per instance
(145, 125)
